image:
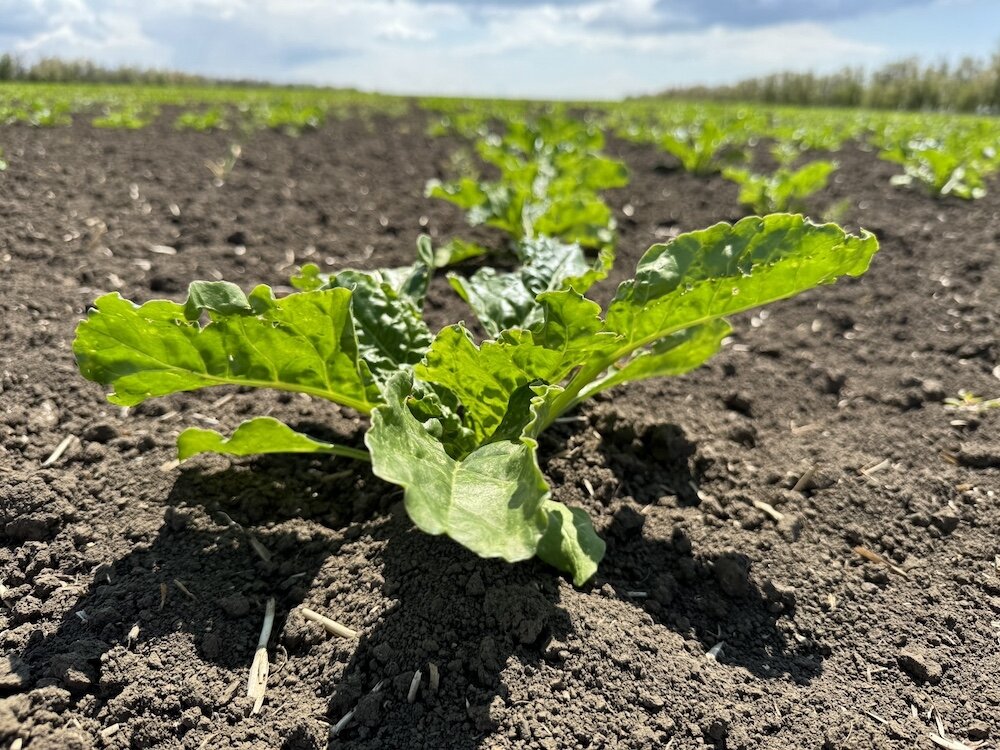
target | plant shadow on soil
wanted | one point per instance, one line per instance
(709, 596)
(439, 603)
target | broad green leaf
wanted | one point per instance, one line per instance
(503, 300)
(725, 269)
(580, 218)
(456, 251)
(676, 354)
(570, 542)
(386, 305)
(303, 342)
(784, 190)
(258, 435)
(490, 501)
(495, 501)
(485, 378)
(465, 193)
(482, 378)
(571, 332)
(217, 297)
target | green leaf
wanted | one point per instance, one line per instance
(490, 501)
(217, 297)
(725, 269)
(391, 331)
(386, 305)
(503, 300)
(676, 354)
(456, 251)
(495, 501)
(258, 435)
(303, 342)
(570, 542)
(464, 193)
(483, 378)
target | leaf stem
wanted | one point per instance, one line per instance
(355, 453)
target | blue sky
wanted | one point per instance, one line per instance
(553, 48)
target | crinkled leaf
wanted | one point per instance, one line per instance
(482, 378)
(258, 435)
(386, 305)
(490, 501)
(503, 300)
(391, 331)
(494, 501)
(409, 282)
(303, 342)
(725, 269)
(485, 378)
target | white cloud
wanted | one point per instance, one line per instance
(590, 48)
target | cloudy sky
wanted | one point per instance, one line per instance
(543, 48)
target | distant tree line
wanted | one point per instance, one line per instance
(973, 85)
(56, 70)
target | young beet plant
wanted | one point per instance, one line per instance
(454, 422)
(784, 190)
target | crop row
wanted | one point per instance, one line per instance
(454, 418)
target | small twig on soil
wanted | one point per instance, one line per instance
(769, 509)
(802, 429)
(877, 558)
(110, 731)
(257, 546)
(185, 591)
(60, 449)
(938, 722)
(330, 626)
(222, 400)
(167, 466)
(434, 678)
(875, 716)
(954, 744)
(346, 719)
(163, 594)
(411, 695)
(876, 467)
(257, 682)
(805, 480)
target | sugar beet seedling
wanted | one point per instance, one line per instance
(455, 422)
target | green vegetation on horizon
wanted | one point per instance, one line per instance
(971, 86)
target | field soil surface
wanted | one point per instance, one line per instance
(731, 611)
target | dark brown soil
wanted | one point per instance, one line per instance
(132, 598)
